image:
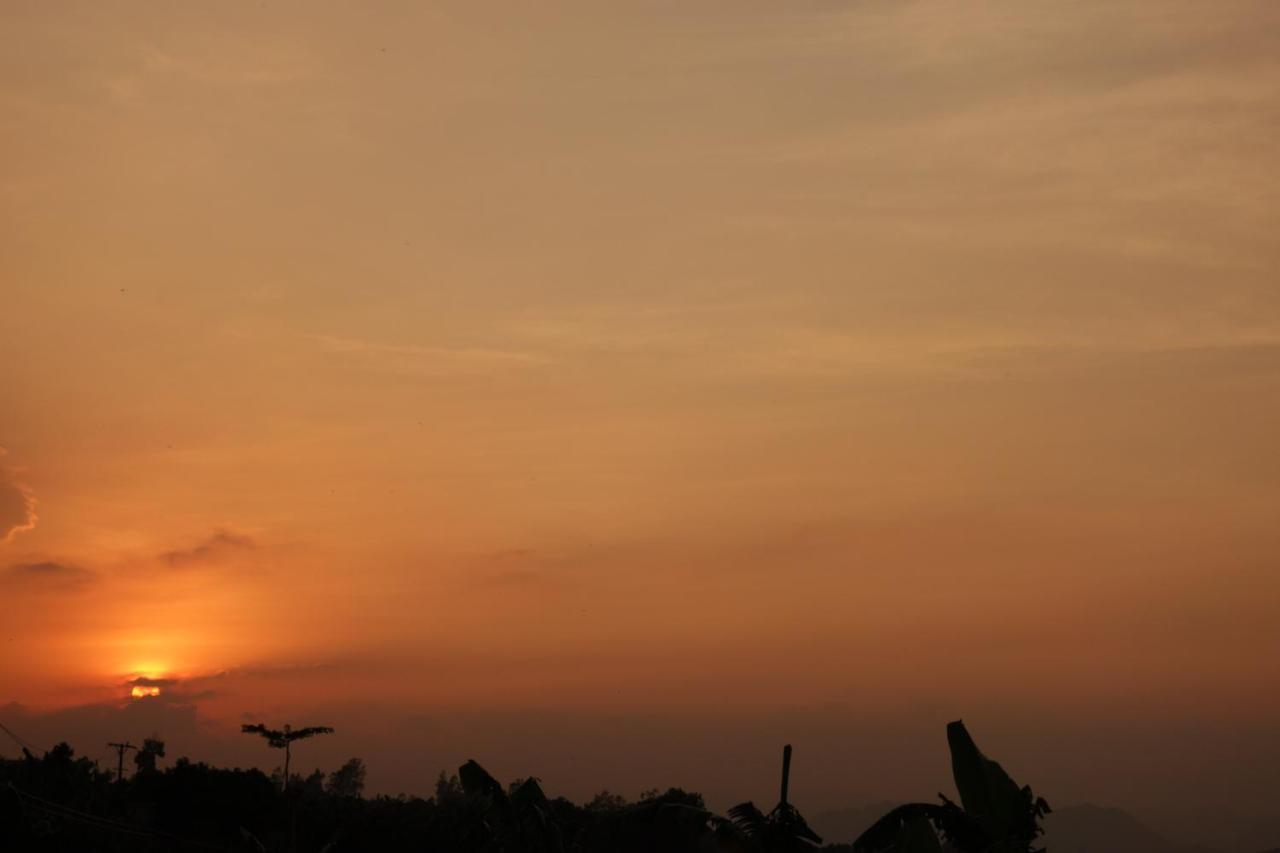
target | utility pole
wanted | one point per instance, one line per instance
(120, 749)
(786, 772)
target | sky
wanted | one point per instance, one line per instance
(617, 391)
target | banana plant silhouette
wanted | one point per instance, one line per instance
(997, 816)
(520, 820)
(782, 830)
(284, 738)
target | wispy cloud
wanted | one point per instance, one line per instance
(210, 61)
(221, 544)
(49, 574)
(413, 358)
(1002, 133)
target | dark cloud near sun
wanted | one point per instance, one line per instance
(221, 544)
(191, 689)
(17, 503)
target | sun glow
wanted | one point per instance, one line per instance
(141, 691)
(149, 669)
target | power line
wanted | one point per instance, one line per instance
(99, 822)
(26, 750)
(59, 810)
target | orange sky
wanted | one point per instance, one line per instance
(647, 360)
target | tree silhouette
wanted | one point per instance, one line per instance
(348, 780)
(284, 738)
(145, 758)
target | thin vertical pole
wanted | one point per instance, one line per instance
(786, 772)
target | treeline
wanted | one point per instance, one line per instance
(59, 802)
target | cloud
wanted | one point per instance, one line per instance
(510, 568)
(174, 691)
(1242, 359)
(17, 503)
(429, 360)
(513, 578)
(87, 727)
(217, 546)
(49, 573)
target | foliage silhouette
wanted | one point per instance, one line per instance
(780, 831)
(145, 758)
(348, 780)
(284, 738)
(997, 816)
(61, 802)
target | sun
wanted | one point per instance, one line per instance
(144, 677)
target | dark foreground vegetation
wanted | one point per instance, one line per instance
(62, 803)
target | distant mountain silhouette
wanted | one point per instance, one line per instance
(842, 826)
(1090, 828)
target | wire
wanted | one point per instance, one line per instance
(19, 741)
(99, 822)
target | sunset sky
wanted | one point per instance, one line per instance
(616, 391)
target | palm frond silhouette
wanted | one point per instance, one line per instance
(284, 738)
